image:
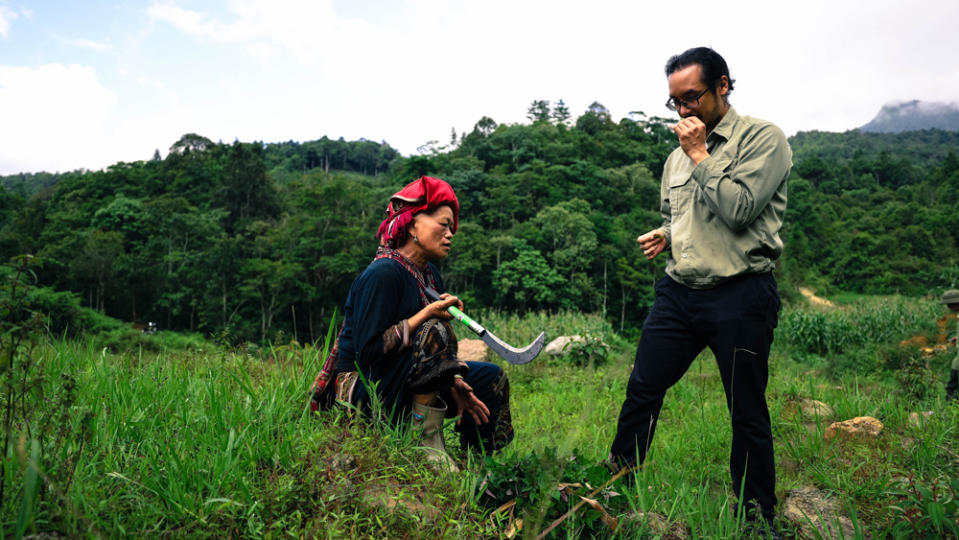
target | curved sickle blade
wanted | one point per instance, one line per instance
(512, 354)
(509, 353)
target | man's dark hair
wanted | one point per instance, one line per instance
(714, 67)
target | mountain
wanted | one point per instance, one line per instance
(913, 116)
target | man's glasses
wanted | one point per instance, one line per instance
(674, 104)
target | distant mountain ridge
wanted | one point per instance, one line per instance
(914, 115)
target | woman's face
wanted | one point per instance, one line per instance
(434, 232)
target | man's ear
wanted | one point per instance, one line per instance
(723, 85)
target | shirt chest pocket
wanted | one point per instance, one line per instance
(727, 156)
(682, 190)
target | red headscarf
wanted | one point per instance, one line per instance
(425, 194)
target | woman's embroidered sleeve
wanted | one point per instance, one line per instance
(397, 337)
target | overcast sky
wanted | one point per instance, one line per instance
(87, 84)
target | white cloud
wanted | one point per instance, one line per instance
(89, 44)
(193, 22)
(406, 72)
(302, 27)
(6, 16)
(60, 113)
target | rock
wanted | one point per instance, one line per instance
(555, 347)
(816, 516)
(917, 419)
(659, 525)
(809, 407)
(391, 498)
(472, 350)
(342, 462)
(860, 426)
(815, 408)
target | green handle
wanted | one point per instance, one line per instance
(465, 319)
(459, 315)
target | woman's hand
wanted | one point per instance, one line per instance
(468, 403)
(435, 310)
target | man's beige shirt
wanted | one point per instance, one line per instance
(722, 217)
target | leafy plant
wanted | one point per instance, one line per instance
(18, 327)
(589, 350)
(544, 486)
(916, 380)
(928, 510)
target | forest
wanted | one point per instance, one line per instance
(260, 241)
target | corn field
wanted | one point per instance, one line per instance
(865, 322)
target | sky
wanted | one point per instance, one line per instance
(89, 84)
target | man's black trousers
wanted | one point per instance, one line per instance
(736, 321)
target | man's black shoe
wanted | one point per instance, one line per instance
(762, 529)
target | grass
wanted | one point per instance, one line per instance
(201, 442)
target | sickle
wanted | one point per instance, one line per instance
(507, 352)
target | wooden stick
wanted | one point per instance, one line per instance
(572, 510)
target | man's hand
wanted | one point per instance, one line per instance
(653, 243)
(467, 402)
(692, 138)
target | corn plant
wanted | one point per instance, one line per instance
(865, 322)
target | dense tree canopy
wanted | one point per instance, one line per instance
(255, 241)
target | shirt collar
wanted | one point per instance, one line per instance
(724, 128)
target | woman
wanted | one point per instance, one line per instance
(396, 341)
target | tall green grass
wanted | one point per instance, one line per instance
(206, 443)
(202, 441)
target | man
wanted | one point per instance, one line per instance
(723, 197)
(950, 299)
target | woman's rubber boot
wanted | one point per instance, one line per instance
(953, 385)
(430, 421)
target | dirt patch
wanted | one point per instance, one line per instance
(815, 300)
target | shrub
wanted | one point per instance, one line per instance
(587, 351)
(916, 380)
(860, 361)
(125, 340)
(64, 314)
(894, 357)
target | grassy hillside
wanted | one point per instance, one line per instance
(202, 441)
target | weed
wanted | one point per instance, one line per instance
(927, 510)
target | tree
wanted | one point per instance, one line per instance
(560, 113)
(191, 142)
(595, 119)
(526, 282)
(538, 111)
(272, 284)
(95, 264)
(246, 193)
(568, 234)
(485, 126)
